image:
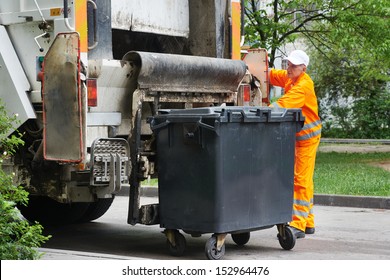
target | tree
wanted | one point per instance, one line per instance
(352, 62)
(349, 45)
(278, 22)
(18, 239)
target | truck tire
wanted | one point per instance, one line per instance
(96, 209)
(47, 211)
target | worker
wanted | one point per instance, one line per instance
(299, 93)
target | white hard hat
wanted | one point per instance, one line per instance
(298, 57)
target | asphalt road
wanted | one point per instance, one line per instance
(342, 233)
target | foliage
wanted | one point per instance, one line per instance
(274, 23)
(355, 101)
(18, 239)
(366, 117)
(372, 116)
(349, 46)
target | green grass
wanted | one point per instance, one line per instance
(150, 183)
(351, 174)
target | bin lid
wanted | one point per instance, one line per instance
(231, 114)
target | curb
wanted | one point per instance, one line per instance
(353, 201)
(375, 202)
(355, 141)
(60, 254)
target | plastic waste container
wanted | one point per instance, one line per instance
(225, 170)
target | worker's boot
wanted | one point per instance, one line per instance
(298, 233)
(310, 230)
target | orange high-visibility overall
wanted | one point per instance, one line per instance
(301, 95)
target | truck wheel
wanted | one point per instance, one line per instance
(96, 209)
(47, 211)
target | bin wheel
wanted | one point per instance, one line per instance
(288, 241)
(212, 253)
(178, 249)
(241, 238)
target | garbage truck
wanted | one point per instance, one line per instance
(82, 77)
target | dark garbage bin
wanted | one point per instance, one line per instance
(225, 170)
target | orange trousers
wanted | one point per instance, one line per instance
(305, 157)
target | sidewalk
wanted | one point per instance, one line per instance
(341, 233)
(59, 254)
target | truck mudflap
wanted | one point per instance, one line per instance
(183, 73)
(62, 109)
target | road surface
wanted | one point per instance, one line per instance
(342, 233)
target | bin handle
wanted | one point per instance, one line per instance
(202, 124)
(161, 125)
(280, 112)
(167, 122)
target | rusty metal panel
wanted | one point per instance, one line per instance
(166, 17)
(257, 61)
(62, 100)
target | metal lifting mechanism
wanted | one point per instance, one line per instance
(165, 78)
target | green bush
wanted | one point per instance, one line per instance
(18, 239)
(365, 117)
